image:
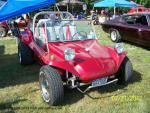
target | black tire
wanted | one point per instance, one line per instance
(51, 85)
(94, 22)
(115, 35)
(3, 32)
(125, 71)
(25, 54)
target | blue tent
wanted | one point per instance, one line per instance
(13, 8)
(114, 3)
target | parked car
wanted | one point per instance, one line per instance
(5, 26)
(147, 10)
(138, 10)
(71, 56)
(131, 27)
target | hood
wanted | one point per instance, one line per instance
(85, 49)
(91, 61)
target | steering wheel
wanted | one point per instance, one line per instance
(80, 35)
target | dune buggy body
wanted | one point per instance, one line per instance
(69, 48)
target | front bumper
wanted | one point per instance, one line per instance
(94, 86)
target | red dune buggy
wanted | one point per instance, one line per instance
(71, 55)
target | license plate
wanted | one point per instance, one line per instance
(99, 82)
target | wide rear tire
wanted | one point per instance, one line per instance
(51, 85)
(125, 71)
(25, 54)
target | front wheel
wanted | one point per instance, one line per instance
(125, 71)
(115, 35)
(51, 85)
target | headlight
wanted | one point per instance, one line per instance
(69, 54)
(119, 48)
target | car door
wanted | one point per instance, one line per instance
(143, 37)
(144, 34)
(144, 31)
(130, 30)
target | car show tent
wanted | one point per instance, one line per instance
(69, 2)
(115, 3)
(13, 8)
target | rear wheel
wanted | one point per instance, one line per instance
(25, 54)
(115, 35)
(51, 85)
(94, 22)
(125, 72)
(3, 32)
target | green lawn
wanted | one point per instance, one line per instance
(19, 88)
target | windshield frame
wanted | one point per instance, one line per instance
(72, 19)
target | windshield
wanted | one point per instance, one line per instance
(62, 27)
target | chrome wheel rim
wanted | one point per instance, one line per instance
(44, 88)
(2, 33)
(113, 35)
(20, 59)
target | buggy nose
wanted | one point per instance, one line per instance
(90, 70)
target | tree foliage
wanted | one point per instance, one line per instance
(145, 3)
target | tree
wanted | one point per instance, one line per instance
(145, 3)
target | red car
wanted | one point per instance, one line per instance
(147, 10)
(4, 26)
(71, 55)
(138, 10)
(131, 27)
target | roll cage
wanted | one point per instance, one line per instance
(61, 26)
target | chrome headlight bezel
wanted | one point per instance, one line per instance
(69, 54)
(119, 47)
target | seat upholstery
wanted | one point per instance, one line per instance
(54, 32)
(69, 29)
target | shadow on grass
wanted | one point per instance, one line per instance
(2, 48)
(116, 87)
(137, 45)
(9, 106)
(72, 96)
(12, 73)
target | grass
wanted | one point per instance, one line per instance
(19, 88)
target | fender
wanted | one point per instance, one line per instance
(62, 65)
(26, 36)
(117, 57)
